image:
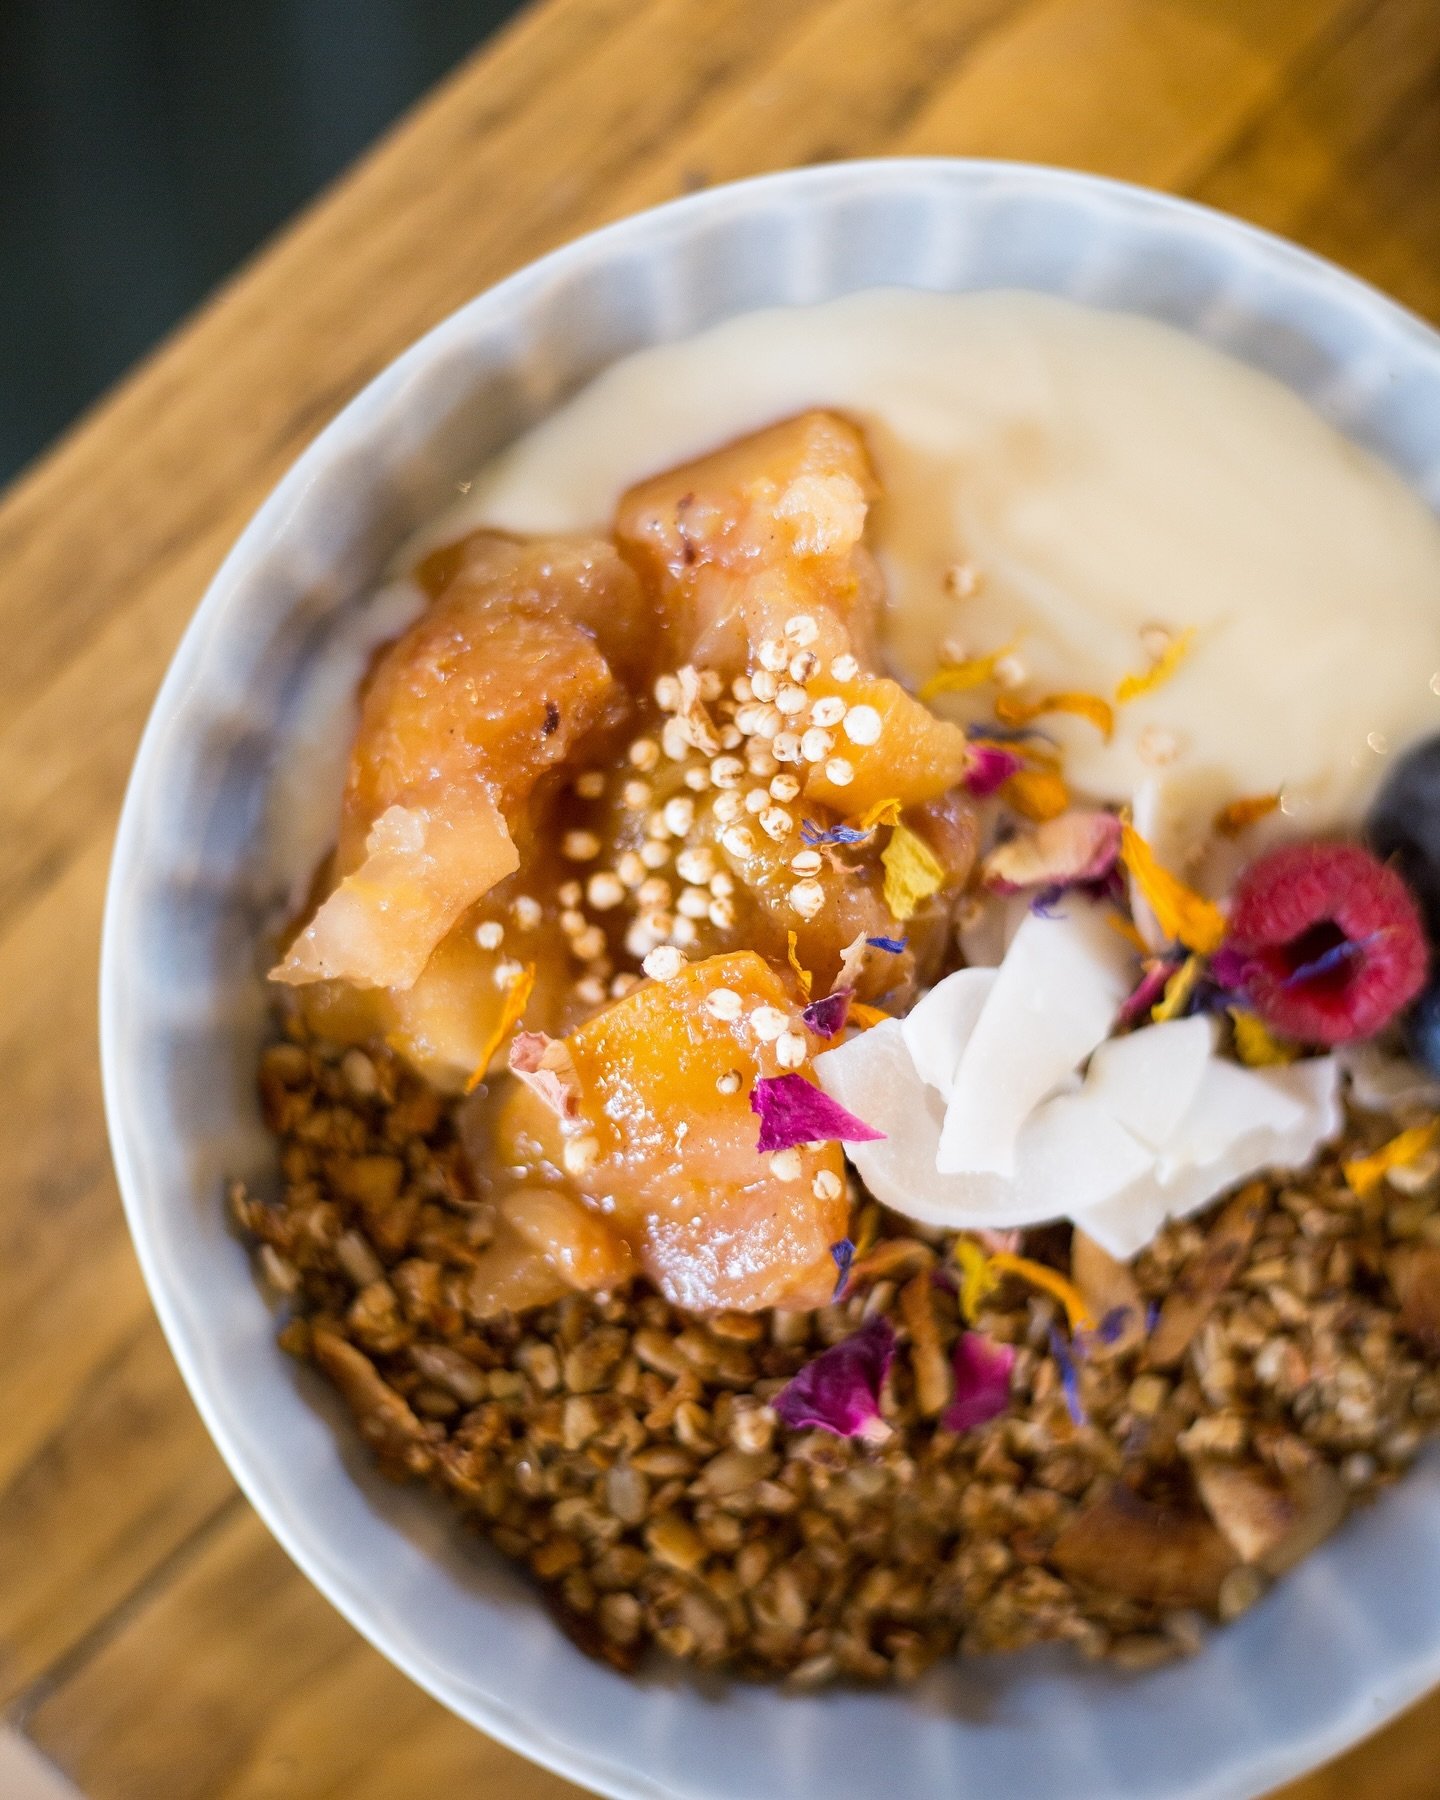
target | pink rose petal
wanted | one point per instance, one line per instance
(792, 1110)
(839, 1391)
(989, 768)
(826, 1018)
(1076, 848)
(982, 1381)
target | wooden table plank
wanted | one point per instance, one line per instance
(154, 1639)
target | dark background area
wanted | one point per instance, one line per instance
(146, 146)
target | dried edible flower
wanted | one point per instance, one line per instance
(1241, 814)
(1038, 1275)
(1147, 992)
(826, 1018)
(517, 998)
(1099, 712)
(1182, 914)
(982, 1381)
(1131, 687)
(1178, 990)
(792, 1111)
(1365, 1173)
(1069, 1375)
(960, 677)
(978, 1276)
(893, 944)
(839, 1391)
(802, 974)
(1065, 852)
(815, 835)
(883, 812)
(1255, 1044)
(989, 768)
(912, 872)
(1037, 794)
(844, 1255)
(547, 1068)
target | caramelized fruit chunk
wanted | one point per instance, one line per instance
(546, 1244)
(888, 745)
(665, 1077)
(463, 716)
(741, 541)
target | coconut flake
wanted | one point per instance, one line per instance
(1053, 1001)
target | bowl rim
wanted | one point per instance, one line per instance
(526, 1732)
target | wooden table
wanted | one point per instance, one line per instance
(153, 1641)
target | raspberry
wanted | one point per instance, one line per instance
(1325, 942)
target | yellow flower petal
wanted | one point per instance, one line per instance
(517, 998)
(1038, 1275)
(1123, 928)
(960, 677)
(1087, 706)
(1182, 914)
(1131, 687)
(883, 812)
(1255, 1045)
(1239, 815)
(802, 974)
(1365, 1173)
(1178, 990)
(1037, 794)
(912, 872)
(978, 1277)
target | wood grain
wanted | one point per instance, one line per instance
(153, 1641)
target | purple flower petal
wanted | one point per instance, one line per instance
(1229, 968)
(982, 1381)
(1151, 987)
(1069, 1377)
(792, 1110)
(839, 1391)
(834, 834)
(893, 945)
(1330, 960)
(989, 769)
(844, 1254)
(826, 1018)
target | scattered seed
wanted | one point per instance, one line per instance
(663, 964)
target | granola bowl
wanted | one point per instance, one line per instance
(1345, 1640)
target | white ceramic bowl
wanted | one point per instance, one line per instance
(1344, 1642)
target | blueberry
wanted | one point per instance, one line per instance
(1422, 1029)
(1403, 826)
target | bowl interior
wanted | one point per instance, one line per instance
(1348, 1638)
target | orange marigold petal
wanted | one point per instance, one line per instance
(1241, 814)
(960, 677)
(1365, 1173)
(1131, 687)
(517, 998)
(1181, 913)
(1099, 712)
(1038, 1275)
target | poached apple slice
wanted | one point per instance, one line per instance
(463, 718)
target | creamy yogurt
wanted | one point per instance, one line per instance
(1093, 474)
